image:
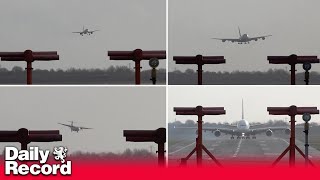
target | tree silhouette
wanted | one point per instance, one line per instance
(111, 75)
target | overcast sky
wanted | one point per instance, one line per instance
(256, 100)
(44, 25)
(109, 110)
(293, 24)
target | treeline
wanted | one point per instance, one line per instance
(270, 77)
(269, 123)
(111, 75)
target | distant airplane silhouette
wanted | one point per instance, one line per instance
(74, 128)
(85, 31)
(243, 38)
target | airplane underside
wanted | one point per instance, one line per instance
(248, 42)
(243, 137)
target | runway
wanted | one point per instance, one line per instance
(263, 150)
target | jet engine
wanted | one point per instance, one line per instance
(263, 38)
(287, 131)
(269, 132)
(217, 133)
(223, 40)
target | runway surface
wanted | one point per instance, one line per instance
(261, 151)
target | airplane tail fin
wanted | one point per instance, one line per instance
(71, 123)
(242, 110)
(239, 31)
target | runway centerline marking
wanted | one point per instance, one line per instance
(238, 149)
(284, 140)
(181, 148)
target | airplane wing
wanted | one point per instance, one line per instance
(252, 126)
(93, 31)
(212, 129)
(77, 32)
(223, 130)
(85, 128)
(259, 37)
(263, 130)
(65, 125)
(224, 40)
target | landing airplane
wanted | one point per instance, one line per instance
(85, 31)
(244, 130)
(243, 38)
(74, 128)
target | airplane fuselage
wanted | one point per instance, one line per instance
(244, 38)
(243, 126)
(86, 31)
(73, 128)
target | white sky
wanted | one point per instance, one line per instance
(256, 100)
(294, 25)
(109, 110)
(47, 25)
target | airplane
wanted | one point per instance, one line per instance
(243, 129)
(74, 128)
(85, 31)
(243, 38)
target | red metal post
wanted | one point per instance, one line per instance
(199, 60)
(200, 112)
(199, 74)
(292, 111)
(161, 157)
(292, 151)
(29, 56)
(24, 146)
(199, 139)
(293, 74)
(29, 72)
(292, 60)
(24, 136)
(137, 56)
(158, 136)
(137, 72)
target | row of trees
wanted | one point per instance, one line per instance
(111, 75)
(270, 77)
(192, 123)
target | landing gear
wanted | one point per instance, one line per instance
(254, 137)
(247, 137)
(243, 137)
(238, 137)
(231, 137)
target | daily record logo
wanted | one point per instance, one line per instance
(12, 167)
